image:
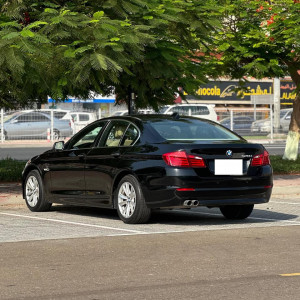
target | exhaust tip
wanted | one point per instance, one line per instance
(188, 203)
(195, 202)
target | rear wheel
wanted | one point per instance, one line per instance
(130, 201)
(237, 212)
(56, 135)
(4, 135)
(34, 192)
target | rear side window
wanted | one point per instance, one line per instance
(59, 114)
(84, 118)
(116, 134)
(192, 130)
(130, 137)
(200, 110)
(190, 110)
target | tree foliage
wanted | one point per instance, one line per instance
(261, 39)
(61, 48)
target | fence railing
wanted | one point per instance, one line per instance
(48, 124)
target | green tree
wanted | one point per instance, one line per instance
(145, 47)
(48, 50)
(261, 39)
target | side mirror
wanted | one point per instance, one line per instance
(288, 117)
(58, 146)
(14, 121)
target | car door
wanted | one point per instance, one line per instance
(103, 164)
(40, 123)
(67, 167)
(23, 126)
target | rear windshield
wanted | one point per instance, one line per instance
(192, 130)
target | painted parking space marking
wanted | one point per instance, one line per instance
(290, 275)
(71, 223)
(22, 225)
(289, 203)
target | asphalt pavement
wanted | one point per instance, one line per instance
(86, 253)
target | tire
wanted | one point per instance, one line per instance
(236, 212)
(34, 192)
(130, 202)
(56, 135)
(4, 136)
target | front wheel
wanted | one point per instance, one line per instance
(34, 192)
(130, 202)
(236, 212)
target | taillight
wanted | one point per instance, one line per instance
(181, 159)
(261, 160)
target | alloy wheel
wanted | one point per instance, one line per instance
(127, 199)
(32, 191)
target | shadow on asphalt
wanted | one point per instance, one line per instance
(198, 216)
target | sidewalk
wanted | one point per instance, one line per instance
(285, 186)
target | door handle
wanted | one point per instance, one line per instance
(81, 155)
(116, 154)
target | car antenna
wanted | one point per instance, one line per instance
(175, 116)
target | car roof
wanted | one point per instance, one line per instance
(154, 117)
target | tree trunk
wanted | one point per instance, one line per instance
(292, 141)
(130, 101)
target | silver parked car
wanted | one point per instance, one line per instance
(34, 124)
(265, 125)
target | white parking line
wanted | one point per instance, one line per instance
(291, 203)
(71, 223)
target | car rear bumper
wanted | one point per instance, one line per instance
(173, 191)
(210, 197)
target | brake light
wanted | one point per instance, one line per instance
(181, 159)
(261, 160)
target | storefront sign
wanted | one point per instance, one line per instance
(230, 91)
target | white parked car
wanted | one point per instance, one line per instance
(80, 119)
(143, 111)
(205, 111)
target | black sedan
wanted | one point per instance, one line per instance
(136, 164)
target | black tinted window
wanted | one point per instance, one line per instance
(192, 130)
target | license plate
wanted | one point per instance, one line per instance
(228, 167)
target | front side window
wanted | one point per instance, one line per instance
(87, 137)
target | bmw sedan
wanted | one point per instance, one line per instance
(136, 164)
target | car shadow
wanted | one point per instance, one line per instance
(205, 216)
(86, 211)
(197, 216)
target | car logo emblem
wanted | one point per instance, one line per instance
(229, 153)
